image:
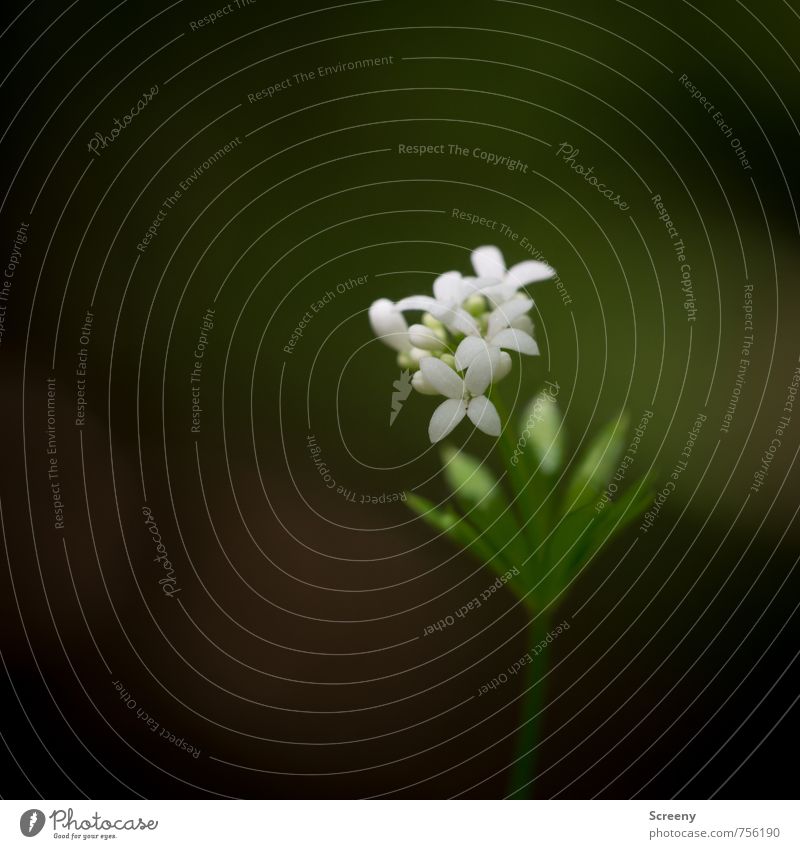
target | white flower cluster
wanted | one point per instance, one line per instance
(457, 348)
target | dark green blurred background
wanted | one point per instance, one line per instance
(293, 655)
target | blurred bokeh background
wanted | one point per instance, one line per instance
(291, 655)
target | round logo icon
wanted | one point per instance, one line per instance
(31, 822)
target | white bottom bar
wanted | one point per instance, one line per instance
(402, 824)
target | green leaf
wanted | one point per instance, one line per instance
(471, 481)
(484, 504)
(541, 433)
(565, 535)
(618, 514)
(447, 520)
(444, 519)
(598, 464)
(565, 548)
(590, 529)
(538, 453)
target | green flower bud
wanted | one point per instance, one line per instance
(475, 305)
(542, 432)
(433, 323)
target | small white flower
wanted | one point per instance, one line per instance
(389, 324)
(504, 327)
(450, 290)
(500, 284)
(456, 320)
(482, 317)
(483, 355)
(464, 398)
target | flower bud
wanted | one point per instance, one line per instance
(543, 431)
(429, 321)
(389, 325)
(425, 338)
(417, 354)
(421, 385)
(475, 305)
(503, 368)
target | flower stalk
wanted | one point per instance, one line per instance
(526, 749)
(535, 527)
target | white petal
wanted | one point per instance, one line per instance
(506, 313)
(503, 368)
(448, 289)
(442, 377)
(499, 293)
(457, 320)
(516, 340)
(488, 262)
(417, 355)
(467, 350)
(518, 276)
(424, 337)
(474, 285)
(422, 386)
(524, 324)
(417, 302)
(529, 271)
(445, 417)
(389, 325)
(481, 371)
(483, 415)
(461, 321)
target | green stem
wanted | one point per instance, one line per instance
(517, 474)
(523, 775)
